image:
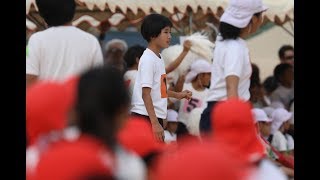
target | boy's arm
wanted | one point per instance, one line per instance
(156, 127)
(180, 95)
(172, 66)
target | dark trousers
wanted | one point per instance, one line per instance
(146, 118)
(205, 120)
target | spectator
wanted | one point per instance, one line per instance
(114, 51)
(231, 68)
(62, 50)
(286, 54)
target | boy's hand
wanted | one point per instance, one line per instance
(185, 94)
(158, 131)
(186, 45)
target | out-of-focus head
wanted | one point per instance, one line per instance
(47, 106)
(102, 103)
(198, 161)
(233, 124)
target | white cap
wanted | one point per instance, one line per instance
(279, 116)
(260, 115)
(240, 12)
(268, 110)
(172, 116)
(197, 67)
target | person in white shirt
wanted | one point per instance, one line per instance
(281, 122)
(172, 125)
(150, 93)
(231, 68)
(62, 50)
(197, 80)
(132, 58)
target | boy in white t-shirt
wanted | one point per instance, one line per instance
(150, 92)
(62, 50)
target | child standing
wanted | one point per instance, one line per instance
(150, 92)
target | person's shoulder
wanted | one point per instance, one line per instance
(147, 56)
(83, 33)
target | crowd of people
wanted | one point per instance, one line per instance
(109, 111)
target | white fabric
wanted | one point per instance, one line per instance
(197, 67)
(60, 52)
(198, 100)
(290, 142)
(168, 137)
(267, 171)
(151, 73)
(130, 78)
(279, 116)
(279, 141)
(129, 165)
(193, 121)
(268, 110)
(239, 12)
(231, 57)
(260, 115)
(172, 115)
(283, 95)
(292, 111)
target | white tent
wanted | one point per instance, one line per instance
(183, 13)
(264, 48)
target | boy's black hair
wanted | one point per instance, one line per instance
(270, 84)
(229, 31)
(132, 53)
(153, 24)
(280, 69)
(283, 49)
(56, 12)
(101, 96)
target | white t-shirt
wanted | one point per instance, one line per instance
(198, 100)
(231, 57)
(283, 94)
(130, 79)
(279, 141)
(62, 51)
(290, 142)
(151, 73)
(168, 137)
(267, 171)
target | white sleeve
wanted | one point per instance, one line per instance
(33, 58)
(146, 73)
(233, 60)
(279, 142)
(97, 55)
(290, 142)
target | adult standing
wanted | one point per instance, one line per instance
(62, 50)
(231, 69)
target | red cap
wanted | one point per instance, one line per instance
(137, 136)
(198, 161)
(71, 85)
(71, 160)
(47, 104)
(233, 124)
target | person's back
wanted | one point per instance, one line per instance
(219, 71)
(61, 50)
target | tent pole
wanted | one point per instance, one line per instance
(290, 33)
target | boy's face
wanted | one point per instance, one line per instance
(164, 38)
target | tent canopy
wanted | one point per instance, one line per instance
(121, 14)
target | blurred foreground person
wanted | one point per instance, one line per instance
(234, 126)
(100, 112)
